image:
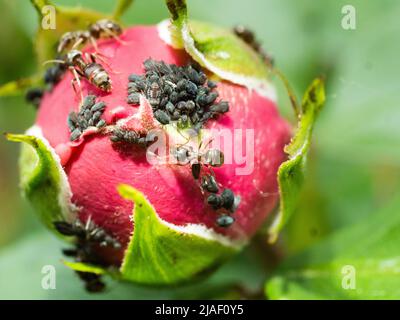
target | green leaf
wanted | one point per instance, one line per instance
(43, 180)
(368, 251)
(291, 172)
(161, 255)
(217, 49)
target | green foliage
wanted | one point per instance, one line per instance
(324, 271)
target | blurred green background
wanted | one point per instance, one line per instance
(353, 169)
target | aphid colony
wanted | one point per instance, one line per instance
(176, 93)
(88, 237)
(84, 66)
(89, 115)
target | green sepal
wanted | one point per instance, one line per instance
(43, 181)
(291, 172)
(217, 49)
(158, 254)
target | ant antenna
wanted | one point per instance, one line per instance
(54, 61)
(186, 138)
(115, 36)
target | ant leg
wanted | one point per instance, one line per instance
(96, 47)
(187, 138)
(94, 44)
(115, 36)
(94, 57)
(207, 144)
(78, 43)
(78, 81)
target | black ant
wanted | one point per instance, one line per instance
(186, 154)
(72, 39)
(92, 71)
(87, 237)
(105, 29)
(101, 29)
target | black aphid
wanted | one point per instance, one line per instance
(89, 232)
(196, 169)
(226, 200)
(34, 96)
(51, 77)
(130, 136)
(133, 98)
(182, 94)
(53, 74)
(225, 221)
(89, 115)
(93, 282)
